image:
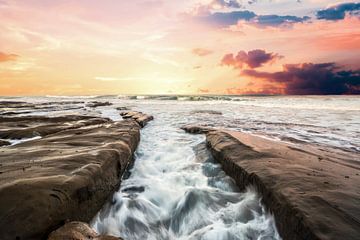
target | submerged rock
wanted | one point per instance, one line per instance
(141, 118)
(196, 129)
(66, 175)
(207, 112)
(78, 231)
(95, 104)
(122, 108)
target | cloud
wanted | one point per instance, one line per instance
(252, 59)
(226, 3)
(4, 57)
(201, 52)
(200, 90)
(225, 19)
(228, 18)
(204, 9)
(276, 20)
(107, 79)
(339, 11)
(311, 78)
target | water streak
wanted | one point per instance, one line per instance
(177, 191)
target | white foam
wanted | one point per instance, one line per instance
(22, 140)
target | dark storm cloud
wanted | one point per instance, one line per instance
(252, 59)
(338, 11)
(310, 78)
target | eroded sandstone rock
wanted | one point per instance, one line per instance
(313, 193)
(78, 231)
(141, 118)
(67, 175)
(31, 126)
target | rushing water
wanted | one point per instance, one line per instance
(177, 191)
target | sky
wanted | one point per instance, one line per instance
(90, 47)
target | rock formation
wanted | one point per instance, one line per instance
(141, 118)
(68, 174)
(313, 193)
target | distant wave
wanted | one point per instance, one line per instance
(71, 97)
(185, 97)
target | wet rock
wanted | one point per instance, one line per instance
(294, 184)
(138, 189)
(31, 126)
(66, 175)
(141, 118)
(12, 108)
(4, 143)
(78, 231)
(95, 104)
(196, 129)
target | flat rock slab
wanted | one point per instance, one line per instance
(31, 126)
(18, 107)
(96, 104)
(66, 175)
(313, 193)
(141, 118)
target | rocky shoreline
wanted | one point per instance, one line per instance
(57, 172)
(66, 174)
(313, 193)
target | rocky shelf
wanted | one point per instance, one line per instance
(66, 174)
(314, 193)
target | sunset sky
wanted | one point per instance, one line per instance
(91, 47)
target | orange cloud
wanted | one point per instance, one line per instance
(4, 57)
(350, 41)
(203, 90)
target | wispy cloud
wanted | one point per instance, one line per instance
(107, 79)
(201, 51)
(5, 57)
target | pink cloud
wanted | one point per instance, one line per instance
(252, 59)
(201, 52)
